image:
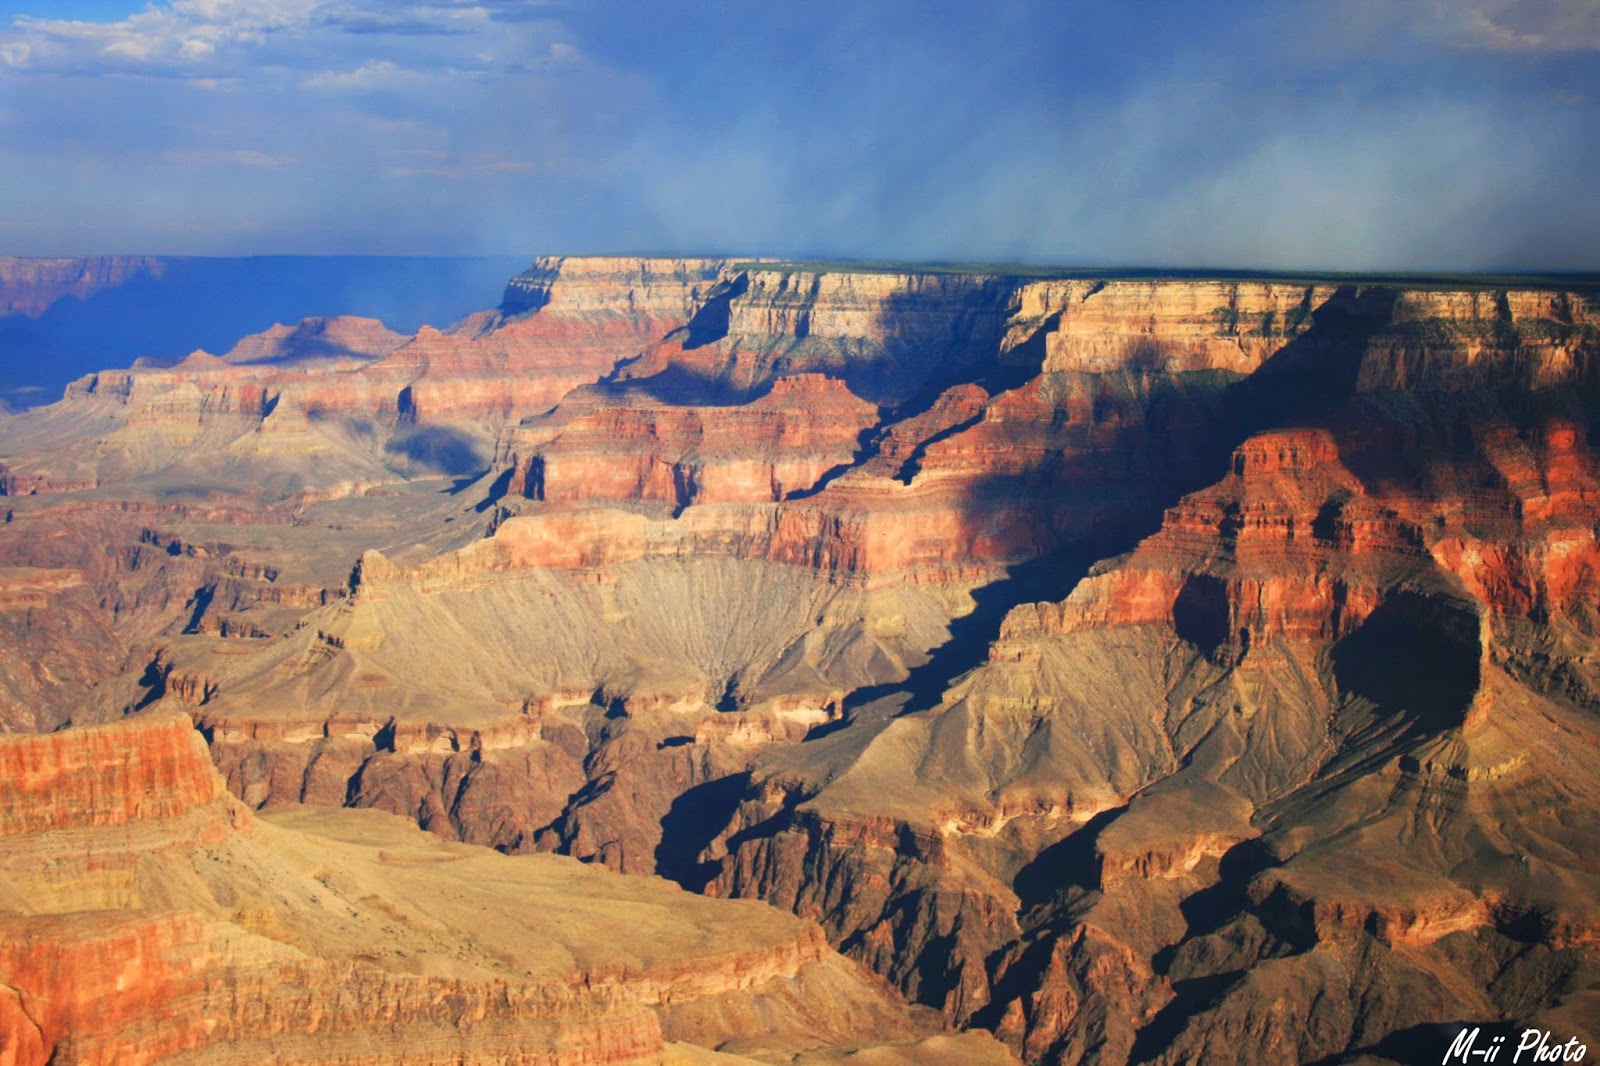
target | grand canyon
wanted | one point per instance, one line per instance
(696, 660)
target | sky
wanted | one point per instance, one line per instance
(1336, 134)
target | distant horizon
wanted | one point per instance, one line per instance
(1000, 267)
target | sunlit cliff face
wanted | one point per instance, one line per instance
(1124, 666)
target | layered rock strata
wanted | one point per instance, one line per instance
(1316, 742)
(352, 393)
(784, 583)
(149, 917)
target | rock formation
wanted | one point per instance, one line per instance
(1139, 669)
(150, 917)
(30, 286)
(63, 318)
(357, 339)
(1306, 745)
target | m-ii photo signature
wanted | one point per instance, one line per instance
(1532, 1045)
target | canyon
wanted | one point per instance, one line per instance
(150, 916)
(1134, 668)
(63, 317)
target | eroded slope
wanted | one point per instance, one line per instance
(150, 917)
(787, 584)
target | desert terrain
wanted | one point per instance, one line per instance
(700, 660)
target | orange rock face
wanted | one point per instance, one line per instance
(264, 940)
(632, 449)
(1133, 668)
(102, 777)
(1296, 541)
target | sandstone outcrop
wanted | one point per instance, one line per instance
(631, 448)
(149, 917)
(345, 336)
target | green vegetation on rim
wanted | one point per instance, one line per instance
(1227, 319)
(1498, 332)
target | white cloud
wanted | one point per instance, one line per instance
(378, 73)
(1522, 25)
(137, 49)
(246, 157)
(190, 37)
(200, 125)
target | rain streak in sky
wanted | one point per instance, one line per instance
(1356, 134)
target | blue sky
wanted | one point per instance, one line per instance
(1341, 134)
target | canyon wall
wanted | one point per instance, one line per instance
(1288, 750)
(1140, 669)
(150, 917)
(30, 286)
(64, 318)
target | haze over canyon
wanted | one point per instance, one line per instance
(702, 660)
